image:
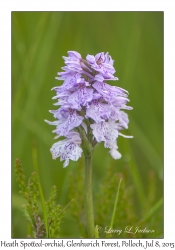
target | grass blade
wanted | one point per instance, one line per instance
(115, 204)
(152, 211)
(43, 204)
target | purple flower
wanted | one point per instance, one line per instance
(71, 79)
(68, 119)
(72, 62)
(67, 149)
(90, 110)
(105, 131)
(108, 92)
(81, 96)
(98, 111)
(103, 64)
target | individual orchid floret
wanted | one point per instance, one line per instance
(67, 149)
(98, 111)
(68, 119)
(108, 92)
(103, 64)
(72, 62)
(75, 64)
(71, 79)
(105, 131)
(82, 95)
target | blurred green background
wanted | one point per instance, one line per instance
(135, 42)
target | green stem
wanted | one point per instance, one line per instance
(89, 196)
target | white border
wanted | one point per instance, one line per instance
(5, 94)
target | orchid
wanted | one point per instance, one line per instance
(90, 112)
(88, 105)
